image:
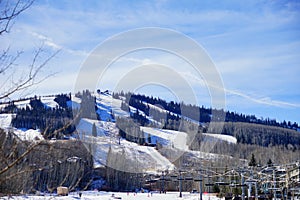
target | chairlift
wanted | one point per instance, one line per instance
(251, 181)
(188, 178)
(222, 183)
(197, 180)
(240, 185)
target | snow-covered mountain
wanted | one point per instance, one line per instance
(108, 140)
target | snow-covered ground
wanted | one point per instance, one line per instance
(23, 104)
(227, 138)
(106, 104)
(5, 120)
(90, 195)
(175, 139)
(49, 102)
(148, 158)
(103, 128)
(23, 134)
(28, 134)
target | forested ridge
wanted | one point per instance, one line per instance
(38, 116)
(205, 114)
(247, 129)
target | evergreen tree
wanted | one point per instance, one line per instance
(252, 162)
(94, 130)
(269, 163)
(149, 139)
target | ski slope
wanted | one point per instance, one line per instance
(107, 106)
(23, 134)
(226, 138)
(5, 121)
(28, 134)
(148, 158)
(49, 102)
(175, 139)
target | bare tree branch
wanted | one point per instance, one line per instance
(7, 60)
(30, 79)
(13, 81)
(9, 10)
(28, 150)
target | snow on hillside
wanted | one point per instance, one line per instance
(175, 139)
(28, 134)
(162, 110)
(74, 103)
(5, 120)
(103, 128)
(226, 138)
(23, 134)
(107, 105)
(49, 102)
(148, 158)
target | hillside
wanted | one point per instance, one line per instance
(126, 134)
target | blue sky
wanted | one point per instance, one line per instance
(255, 45)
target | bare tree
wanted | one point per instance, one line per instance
(42, 165)
(12, 81)
(9, 10)
(25, 163)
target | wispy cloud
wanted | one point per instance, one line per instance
(253, 98)
(255, 44)
(50, 43)
(263, 100)
(47, 41)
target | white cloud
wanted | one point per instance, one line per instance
(263, 100)
(255, 45)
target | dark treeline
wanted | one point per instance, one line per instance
(247, 129)
(38, 116)
(200, 114)
(261, 135)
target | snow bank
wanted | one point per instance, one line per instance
(176, 139)
(28, 135)
(148, 158)
(107, 105)
(226, 138)
(74, 103)
(23, 134)
(85, 126)
(5, 120)
(49, 102)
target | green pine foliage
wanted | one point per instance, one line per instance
(94, 130)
